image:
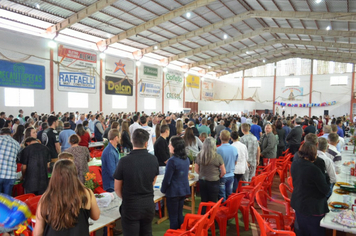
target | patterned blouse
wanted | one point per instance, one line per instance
(81, 158)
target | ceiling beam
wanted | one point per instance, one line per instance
(80, 15)
(154, 22)
(252, 14)
(269, 43)
(285, 57)
(350, 56)
(333, 33)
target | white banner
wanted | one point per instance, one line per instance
(149, 72)
(120, 67)
(78, 82)
(207, 90)
(150, 89)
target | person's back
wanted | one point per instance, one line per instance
(256, 130)
(64, 136)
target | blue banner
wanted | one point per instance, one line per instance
(21, 75)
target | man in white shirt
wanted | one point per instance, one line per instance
(333, 140)
(135, 125)
(241, 164)
(92, 123)
(329, 165)
(152, 139)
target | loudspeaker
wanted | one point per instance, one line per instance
(326, 112)
(266, 111)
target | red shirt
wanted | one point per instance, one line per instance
(85, 140)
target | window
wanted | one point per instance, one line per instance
(338, 80)
(173, 105)
(292, 82)
(78, 100)
(149, 103)
(119, 102)
(15, 97)
(254, 83)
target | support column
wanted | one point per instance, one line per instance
(101, 86)
(353, 99)
(311, 85)
(184, 91)
(136, 88)
(51, 79)
(243, 85)
(163, 93)
(274, 87)
(201, 90)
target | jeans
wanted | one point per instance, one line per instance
(237, 178)
(6, 186)
(309, 225)
(136, 220)
(175, 211)
(331, 190)
(225, 188)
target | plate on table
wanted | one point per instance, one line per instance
(341, 191)
(341, 183)
(338, 206)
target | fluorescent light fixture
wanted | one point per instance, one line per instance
(138, 63)
(102, 55)
(52, 44)
(328, 28)
(37, 6)
(247, 52)
(225, 36)
(318, 1)
(188, 15)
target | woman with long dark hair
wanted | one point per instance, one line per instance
(281, 137)
(66, 205)
(192, 142)
(125, 136)
(18, 136)
(175, 183)
(83, 135)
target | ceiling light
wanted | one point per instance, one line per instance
(318, 1)
(102, 55)
(188, 15)
(37, 6)
(247, 52)
(185, 74)
(52, 44)
(227, 72)
(165, 69)
(138, 63)
(264, 60)
(328, 28)
(155, 47)
(209, 67)
(225, 36)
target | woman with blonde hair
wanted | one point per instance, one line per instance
(210, 167)
(179, 127)
(67, 204)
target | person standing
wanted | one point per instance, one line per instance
(256, 129)
(64, 136)
(268, 146)
(110, 160)
(161, 147)
(72, 122)
(241, 165)
(281, 137)
(98, 128)
(175, 184)
(50, 137)
(152, 139)
(125, 136)
(294, 137)
(203, 128)
(2, 119)
(229, 155)
(134, 179)
(91, 124)
(310, 128)
(135, 125)
(35, 159)
(9, 149)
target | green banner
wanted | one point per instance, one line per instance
(152, 71)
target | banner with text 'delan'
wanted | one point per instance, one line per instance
(193, 81)
(21, 75)
(118, 86)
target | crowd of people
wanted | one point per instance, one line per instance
(224, 148)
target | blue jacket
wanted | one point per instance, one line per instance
(109, 161)
(175, 182)
(98, 136)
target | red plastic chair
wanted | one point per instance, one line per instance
(24, 197)
(263, 169)
(196, 230)
(284, 189)
(286, 152)
(246, 203)
(282, 168)
(99, 179)
(265, 229)
(267, 184)
(283, 221)
(32, 203)
(290, 182)
(96, 153)
(227, 211)
(254, 181)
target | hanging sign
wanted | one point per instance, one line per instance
(69, 57)
(118, 86)
(174, 77)
(150, 72)
(150, 89)
(207, 90)
(173, 92)
(193, 81)
(120, 67)
(21, 75)
(292, 93)
(81, 82)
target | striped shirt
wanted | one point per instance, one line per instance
(9, 149)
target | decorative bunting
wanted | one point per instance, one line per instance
(323, 104)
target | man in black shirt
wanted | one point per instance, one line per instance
(2, 119)
(135, 176)
(50, 137)
(161, 146)
(310, 128)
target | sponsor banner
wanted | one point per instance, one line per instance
(76, 81)
(150, 89)
(292, 93)
(207, 90)
(149, 72)
(22, 75)
(120, 67)
(193, 81)
(174, 92)
(174, 77)
(118, 86)
(75, 58)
